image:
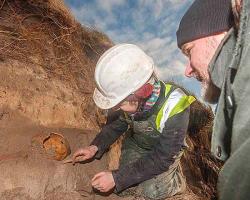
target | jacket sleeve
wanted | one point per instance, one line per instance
(160, 158)
(108, 135)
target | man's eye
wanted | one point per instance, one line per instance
(187, 51)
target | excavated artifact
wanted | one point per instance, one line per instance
(54, 145)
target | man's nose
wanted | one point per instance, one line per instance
(189, 70)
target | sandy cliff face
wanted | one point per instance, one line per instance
(47, 61)
(47, 64)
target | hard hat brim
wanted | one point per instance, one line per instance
(104, 102)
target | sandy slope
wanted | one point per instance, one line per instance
(47, 62)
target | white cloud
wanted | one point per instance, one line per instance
(177, 5)
(151, 24)
(98, 15)
(108, 5)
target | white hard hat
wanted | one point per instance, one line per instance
(120, 71)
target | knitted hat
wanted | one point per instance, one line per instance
(205, 18)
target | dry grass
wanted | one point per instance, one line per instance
(43, 36)
(44, 33)
(200, 167)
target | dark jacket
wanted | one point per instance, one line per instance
(157, 161)
(230, 71)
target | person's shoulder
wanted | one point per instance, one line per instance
(172, 86)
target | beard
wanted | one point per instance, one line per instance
(209, 92)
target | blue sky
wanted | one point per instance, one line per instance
(151, 24)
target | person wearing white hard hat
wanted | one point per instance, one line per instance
(154, 117)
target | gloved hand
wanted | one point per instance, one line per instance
(83, 154)
(103, 181)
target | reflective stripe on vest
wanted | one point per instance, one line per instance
(167, 89)
(176, 103)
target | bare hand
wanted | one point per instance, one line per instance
(103, 181)
(83, 154)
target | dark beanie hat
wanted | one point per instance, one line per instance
(205, 18)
